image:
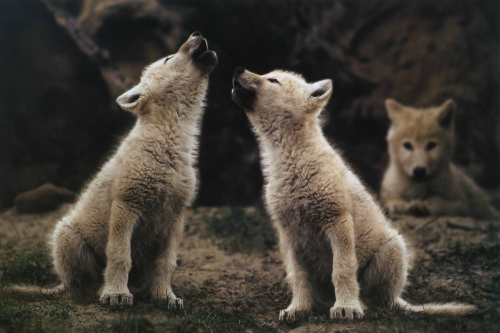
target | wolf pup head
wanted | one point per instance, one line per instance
(279, 99)
(170, 79)
(420, 140)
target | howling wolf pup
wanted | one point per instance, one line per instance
(332, 233)
(421, 179)
(125, 230)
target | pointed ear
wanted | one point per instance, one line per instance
(132, 100)
(446, 113)
(321, 90)
(394, 109)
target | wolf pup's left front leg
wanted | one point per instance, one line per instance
(164, 267)
(344, 269)
(119, 260)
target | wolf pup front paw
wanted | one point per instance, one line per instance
(418, 208)
(396, 207)
(293, 314)
(346, 311)
(116, 298)
(169, 302)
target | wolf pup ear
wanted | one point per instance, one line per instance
(132, 100)
(446, 113)
(394, 108)
(321, 90)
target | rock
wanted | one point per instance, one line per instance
(116, 81)
(43, 199)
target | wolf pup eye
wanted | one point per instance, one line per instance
(431, 145)
(274, 81)
(167, 59)
(408, 146)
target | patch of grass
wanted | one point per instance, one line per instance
(466, 255)
(389, 319)
(145, 317)
(240, 231)
(396, 319)
(210, 319)
(32, 266)
(128, 324)
(34, 314)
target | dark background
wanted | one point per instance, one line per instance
(63, 63)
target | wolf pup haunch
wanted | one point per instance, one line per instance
(421, 179)
(125, 229)
(331, 231)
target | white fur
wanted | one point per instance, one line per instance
(332, 232)
(124, 232)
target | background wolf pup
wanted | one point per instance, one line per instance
(125, 229)
(331, 230)
(421, 178)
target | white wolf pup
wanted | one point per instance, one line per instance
(332, 232)
(125, 229)
(421, 179)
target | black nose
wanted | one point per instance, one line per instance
(419, 173)
(238, 71)
(196, 34)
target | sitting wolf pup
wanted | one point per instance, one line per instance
(331, 230)
(125, 229)
(421, 179)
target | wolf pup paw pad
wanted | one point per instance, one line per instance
(346, 312)
(117, 299)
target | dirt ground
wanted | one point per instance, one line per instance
(230, 285)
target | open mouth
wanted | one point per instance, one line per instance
(237, 84)
(204, 57)
(242, 96)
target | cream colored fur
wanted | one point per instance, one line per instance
(124, 232)
(424, 138)
(337, 244)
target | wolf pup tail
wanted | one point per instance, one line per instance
(435, 308)
(35, 290)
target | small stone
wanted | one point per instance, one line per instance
(43, 199)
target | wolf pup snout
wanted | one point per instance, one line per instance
(244, 85)
(204, 58)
